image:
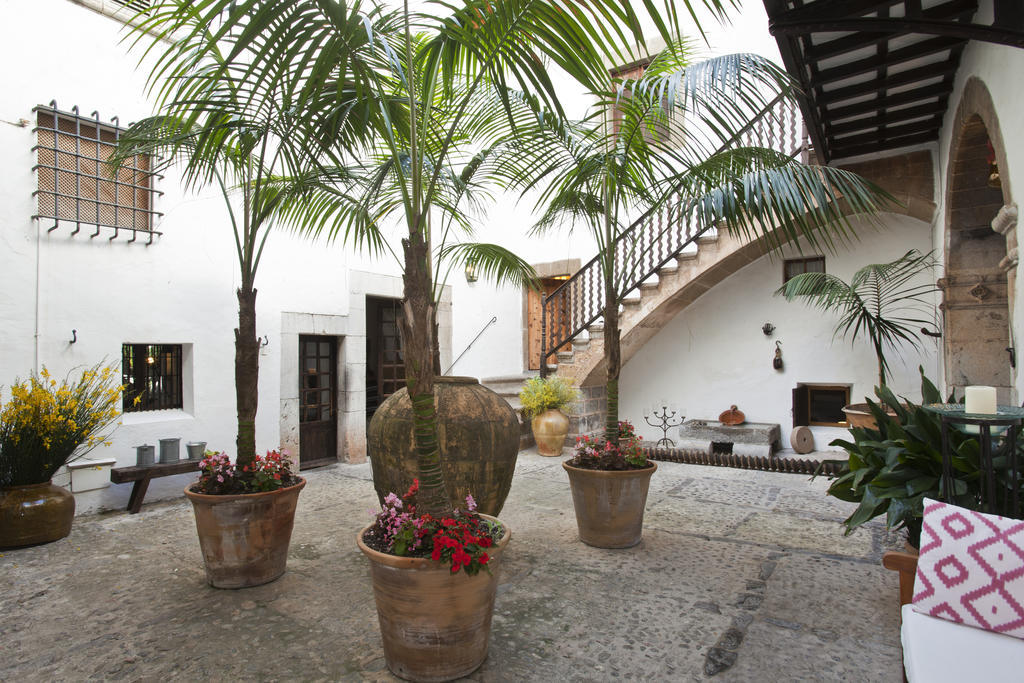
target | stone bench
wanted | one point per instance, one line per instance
(750, 438)
(142, 474)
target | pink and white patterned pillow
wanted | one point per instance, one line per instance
(971, 569)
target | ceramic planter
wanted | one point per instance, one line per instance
(549, 431)
(609, 505)
(245, 537)
(35, 513)
(435, 625)
(478, 433)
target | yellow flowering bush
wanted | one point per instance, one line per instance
(540, 394)
(45, 422)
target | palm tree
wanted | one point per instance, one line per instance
(676, 131)
(880, 301)
(397, 117)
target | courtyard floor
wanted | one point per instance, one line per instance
(741, 576)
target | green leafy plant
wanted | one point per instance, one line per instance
(45, 422)
(881, 300)
(676, 138)
(891, 469)
(546, 393)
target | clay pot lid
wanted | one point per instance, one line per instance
(733, 416)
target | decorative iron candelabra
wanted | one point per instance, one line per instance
(666, 423)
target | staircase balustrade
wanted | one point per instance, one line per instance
(653, 240)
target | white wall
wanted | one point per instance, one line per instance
(180, 289)
(713, 354)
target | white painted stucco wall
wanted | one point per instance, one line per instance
(180, 289)
(713, 354)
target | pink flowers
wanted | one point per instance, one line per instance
(219, 476)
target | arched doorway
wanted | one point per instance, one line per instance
(976, 292)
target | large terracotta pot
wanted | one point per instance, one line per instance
(245, 537)
(609, 505)
(859, 415)
(549, 431)
(435, 625)
(478, 434)
(35, 513)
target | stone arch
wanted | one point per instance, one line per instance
(980, 249)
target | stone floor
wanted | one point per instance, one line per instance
(742, 575)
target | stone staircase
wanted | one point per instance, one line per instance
(508, 388)
(644, 311)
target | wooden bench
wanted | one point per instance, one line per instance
(141, 474)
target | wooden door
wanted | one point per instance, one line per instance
(385, 365)
(318, 412)
(533, 323)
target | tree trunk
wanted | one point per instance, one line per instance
(418, 333)
(247, 372)
(613, 361)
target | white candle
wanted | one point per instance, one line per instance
(980, 400)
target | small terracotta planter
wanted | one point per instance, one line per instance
(435, 625)
(35, 513)
(549, 431)
(245, 537)
(610, 505)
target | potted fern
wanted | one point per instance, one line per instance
(545, 401)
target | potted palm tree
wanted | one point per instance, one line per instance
(406, 116)
(884, 301)
(42, 425)
(674, 135)
(218, 132)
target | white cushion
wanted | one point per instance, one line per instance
(938, 650)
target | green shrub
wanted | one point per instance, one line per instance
(544, 393)
(893, 468)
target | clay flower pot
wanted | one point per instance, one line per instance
(35, 513)
(435, 625)
(549, 430)
(610, 504)
(478, 433)
(245, 537)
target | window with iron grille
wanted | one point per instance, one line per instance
(152, 377)
(798, 266)
(76, 184)
(820, 404)
(125, 10)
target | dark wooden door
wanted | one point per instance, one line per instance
(533, 320)
(318, 403)
(385, 364)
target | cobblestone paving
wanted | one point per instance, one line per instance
(741, 576)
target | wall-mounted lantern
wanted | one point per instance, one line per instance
(471, 268)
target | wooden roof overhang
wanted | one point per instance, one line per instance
(877, 74)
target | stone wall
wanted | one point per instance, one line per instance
(590, 413)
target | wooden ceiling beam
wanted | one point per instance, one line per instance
(933, 27)
(942, 69)
(939, 90)
(924, 48)
(827, 9)
(874, 148)
(884, 118)
(956, 10)
(889, 133)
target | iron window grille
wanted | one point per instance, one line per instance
(76, 184)
(152, 374)
(798, 266)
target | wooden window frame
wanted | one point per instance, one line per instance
(160, 387)
(804, 261)
(802, 396)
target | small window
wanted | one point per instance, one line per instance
(75, 183)
(798, 266)
(820, 404)
(152, 375)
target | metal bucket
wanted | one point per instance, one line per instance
(169, 450)
(196, 450)
(145, 454)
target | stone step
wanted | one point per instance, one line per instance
(668, 269)
(649, 284)
(565, 357)
(507, 383)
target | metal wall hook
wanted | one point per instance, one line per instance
(264, 341)
(74, 336)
